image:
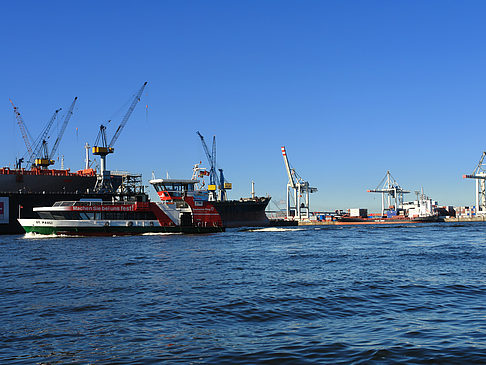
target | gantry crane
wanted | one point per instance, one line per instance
(215, 182)
(391, 193)
(479, 174)
(298, 205)
(102, 148)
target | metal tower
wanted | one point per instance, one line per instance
(298, 204)
(391, 193)
(479, 174)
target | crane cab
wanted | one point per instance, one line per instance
(43, 162)
(102, 151)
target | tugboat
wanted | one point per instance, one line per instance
(179, 211)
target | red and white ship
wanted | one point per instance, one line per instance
(179, 211)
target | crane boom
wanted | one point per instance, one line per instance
(42, 138)
(213, 178)
(287, 166)
(63, 128)
(23, 128)
(127, 115)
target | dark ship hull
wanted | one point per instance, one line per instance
(21, 190)
(243, 213)
(44, 183)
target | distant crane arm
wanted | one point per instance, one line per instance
(474, 177)
(205, 147)
(23, 128)
(43, 136)
(211, 159)
(63, 128)
(287, 166)
(478, 172)
(127, 115)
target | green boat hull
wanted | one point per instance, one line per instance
(118, 230)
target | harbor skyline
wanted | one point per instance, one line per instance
(351, 89)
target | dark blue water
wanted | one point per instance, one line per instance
(410, 294)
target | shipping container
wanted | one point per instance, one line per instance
(358, 212)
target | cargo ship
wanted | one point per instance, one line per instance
(246, 212)
(422, 210)
(179, 211)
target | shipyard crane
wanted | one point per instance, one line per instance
(391, 193)
(102, 148)
(215, 181)
(23, 128)
(479, 174)
(47, 158)
(299, 208)
(41, 143)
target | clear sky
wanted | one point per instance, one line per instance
(351, 88)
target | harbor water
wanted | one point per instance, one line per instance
(365, 294)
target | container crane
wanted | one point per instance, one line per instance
(23, 128)
(299, 208)
(102, 148)
(391, 193)
(479, 174)
(47, 159)
(215, 181)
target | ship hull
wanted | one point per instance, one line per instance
(15, 205)
(243, 213)
(93, 229)
(12, 182)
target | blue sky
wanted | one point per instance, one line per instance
(351, 88)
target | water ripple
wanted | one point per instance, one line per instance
(410, 294)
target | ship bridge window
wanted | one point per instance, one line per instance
(72, 215)
(58, 215)
(115, 216)
(190, 187)
(62, 215)
(86, 215)
(172, 187)
(45, 215)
